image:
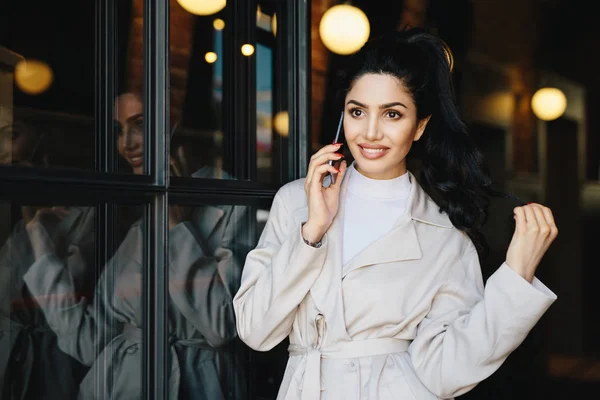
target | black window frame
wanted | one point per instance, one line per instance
(104, 186)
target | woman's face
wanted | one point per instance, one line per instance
(380, 125)
(130, 144)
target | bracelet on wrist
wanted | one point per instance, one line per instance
(312, 244)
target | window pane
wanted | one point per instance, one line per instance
(198, 68)
(63, 318)
(207, 248)
(55, 72)
(196, 91)
(271, 118)
(128, 106)
(208, 245)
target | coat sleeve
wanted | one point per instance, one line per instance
(277, 275)
(202, 282)
(82, 325)
(471, 330)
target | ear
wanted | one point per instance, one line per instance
(421, 127)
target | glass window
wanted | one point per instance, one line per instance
(64, 318)
(198, 99)
(207, 248)
(272, 120)
(62, 68)
(196, 90)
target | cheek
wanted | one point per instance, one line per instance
(352, 129)
(400, 134)
(120, 145)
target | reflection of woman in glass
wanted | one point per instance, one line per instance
(21, 144)
(31, 364)
(376, 279)
(206, 251)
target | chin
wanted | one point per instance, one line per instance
(370, 167)
(379, 169)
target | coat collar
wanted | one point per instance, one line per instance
(420, 206)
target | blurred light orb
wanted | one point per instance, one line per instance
(202, 7)
(219, 24)
(281, 122)
(210, 57)
(274, 24)
(33, 76)
(247, 49)
(344, 29)
(548, 103)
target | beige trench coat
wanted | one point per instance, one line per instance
(407, 318)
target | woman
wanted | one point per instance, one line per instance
(377, 285)
(32, 366)
(206, 249)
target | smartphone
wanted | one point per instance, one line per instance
(336, 140)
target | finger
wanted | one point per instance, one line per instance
(530, 216)
(320, 158)
(521, 220)
(329, 149)
(550, 220)
(319, 174)
(45, 210)
(324, 158)
(61, 213)
(182, 161)
(328, 158)
(340, 176)
(174, 166)
(541, 220)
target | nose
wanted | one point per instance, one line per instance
(373, 132)
(132, 140)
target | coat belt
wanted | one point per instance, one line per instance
(136, 335)
(311, 386)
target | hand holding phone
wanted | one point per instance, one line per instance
(322, 192)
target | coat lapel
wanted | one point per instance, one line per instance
(402, 242)
(205, 219)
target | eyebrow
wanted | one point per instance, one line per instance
(134, 117)
(382, 106)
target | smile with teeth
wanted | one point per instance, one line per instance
(374, 151)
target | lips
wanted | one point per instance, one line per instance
(135, 161)
(373, 152)
(373, 146)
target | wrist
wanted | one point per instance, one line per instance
(312, 233)
(523, 272)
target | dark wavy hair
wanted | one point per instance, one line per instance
(455, 173)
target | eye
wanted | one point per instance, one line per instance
(356, 112)
(393, 114)
(137, 126)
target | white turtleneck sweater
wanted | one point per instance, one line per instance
(372, 208)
